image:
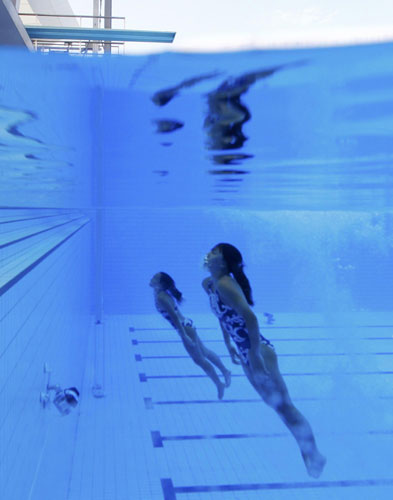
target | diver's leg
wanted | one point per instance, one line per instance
(274, 393)
(197, 355)
(213, 358)
(208, 368)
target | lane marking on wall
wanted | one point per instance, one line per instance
(139, 357)
(170, 491)
(273, 340)
(149, 403)
(158, 439)
(144, 378)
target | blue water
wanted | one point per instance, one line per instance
(112, 169)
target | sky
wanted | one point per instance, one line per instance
(216, 25)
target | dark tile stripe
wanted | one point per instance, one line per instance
(272, 327)
(34, 218)
(31, 235)
(168, 489)
(201, 437)
(166, 329)
(23, 273)
(311, 374)
(273, 340)
(282, 355)
(256, 400)
(285, 486)
(5, 207)
(148, 403)
(158, 439)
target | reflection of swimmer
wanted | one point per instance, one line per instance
(230, 298)
(166, 126)
(230, 158)
(227, 113)
(225, 122)
(167, 297)
(164, 96)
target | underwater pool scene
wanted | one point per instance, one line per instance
(116, 168)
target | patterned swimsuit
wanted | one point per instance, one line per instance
(166, 315)
(233, 324)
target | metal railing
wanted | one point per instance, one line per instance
(82, 47)
(77, 47)
(80, 18)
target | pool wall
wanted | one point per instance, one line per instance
(46, 234)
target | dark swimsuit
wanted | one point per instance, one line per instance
(233, 323)
(166, 315)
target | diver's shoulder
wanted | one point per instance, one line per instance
(163, 298)
(226, 279)
(227, 283)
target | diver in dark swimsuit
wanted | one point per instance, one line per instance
(166, 297)
(230, 299)
(233, 323)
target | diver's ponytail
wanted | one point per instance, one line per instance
(234, 261)
(176, 294)
(169, 285)
(242, 279)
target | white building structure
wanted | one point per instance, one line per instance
(51, 25)
(56, 7)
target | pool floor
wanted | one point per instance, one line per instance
(161, 433)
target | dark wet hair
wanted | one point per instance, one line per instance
(169, 285)
(234, 260)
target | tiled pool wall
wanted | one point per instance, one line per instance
(45, 320)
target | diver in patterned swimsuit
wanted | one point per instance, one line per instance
(166, 297)
(233, 323)
(230, 298)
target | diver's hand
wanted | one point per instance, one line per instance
(234, 356)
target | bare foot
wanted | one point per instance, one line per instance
(315, 464)
(220, 390)
(227, 377)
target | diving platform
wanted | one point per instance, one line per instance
(41, 34)
(98, 34)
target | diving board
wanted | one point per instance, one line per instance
(107, 35)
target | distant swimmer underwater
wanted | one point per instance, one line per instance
(166, 298)
(230, 298)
